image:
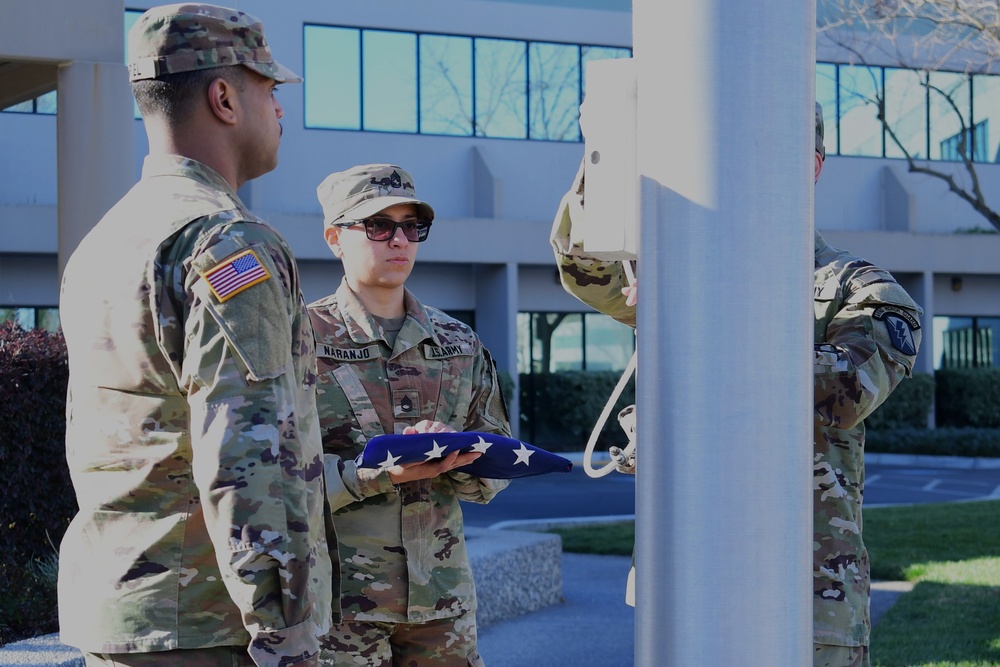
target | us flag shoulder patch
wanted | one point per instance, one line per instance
(235, 274)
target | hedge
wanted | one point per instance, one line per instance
(968, 397)
(907, 406)
(38, 501)
(559, 410)
(947, 441)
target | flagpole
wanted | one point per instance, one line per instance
(723, 543)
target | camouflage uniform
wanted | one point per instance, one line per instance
(402, 548)
(192, 434)
(866, 338)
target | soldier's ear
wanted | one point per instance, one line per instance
(222, 100)
(332, 236)
(819, 167)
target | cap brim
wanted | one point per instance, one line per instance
(370, 207)
(275, 70)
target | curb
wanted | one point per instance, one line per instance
(928, 461)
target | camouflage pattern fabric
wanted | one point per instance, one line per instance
(192, 435)
(187, 37)
(595, 282)
(439, 643)
(402, 549)
(840, 656)
(866, 339)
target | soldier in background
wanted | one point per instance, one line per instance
(388, 364)
(192, 434)
(867, 332)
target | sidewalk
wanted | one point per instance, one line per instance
(592, 628)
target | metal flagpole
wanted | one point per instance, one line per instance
(725, 162)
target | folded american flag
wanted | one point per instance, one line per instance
(503, 458)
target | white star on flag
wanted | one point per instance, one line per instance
(522, 455)
(390, 460)
(482, 445)
(436, 452)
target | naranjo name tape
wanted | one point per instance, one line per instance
(502, 457)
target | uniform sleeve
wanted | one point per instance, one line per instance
(870, 346)
(346, 483)
(254, 474)
(488, 414)
(595, 282)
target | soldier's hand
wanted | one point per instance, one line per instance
(631, 293)
(428, 426)
(428, 469)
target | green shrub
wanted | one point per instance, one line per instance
(907, 407)
(559, 410)
(38, 501)
(983, 442)
(968, 397)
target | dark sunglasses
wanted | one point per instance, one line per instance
(382, 228)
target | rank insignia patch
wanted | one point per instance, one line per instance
(235, 274)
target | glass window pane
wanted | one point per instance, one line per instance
(986, 108)
(609, 343)
(131, 16)
(945, 122)
(906, 113)
(332, 77)
(22, 107)
(952, 342)
(446, 85)
(565, 331)
(48, 319)
(554, 91)
(524, 343)
(988, 339)
(860, 128)
(501, 95)
(46, 103)
(390, 81)
(826, 95)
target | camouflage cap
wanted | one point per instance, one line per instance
(364, 190)
(820, 148)
(187, 37)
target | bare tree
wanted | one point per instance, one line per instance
(927, 36)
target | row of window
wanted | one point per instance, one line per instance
(422, 83)
(925, 112)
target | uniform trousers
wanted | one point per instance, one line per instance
(216, 656)
(445, 642)
(826, 655)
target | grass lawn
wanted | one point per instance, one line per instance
(951, 551)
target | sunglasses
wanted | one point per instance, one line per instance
(382, 228)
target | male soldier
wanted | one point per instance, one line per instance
(866, 338)
(192, 433)
(388, 364)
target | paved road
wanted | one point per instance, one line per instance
(573, 494)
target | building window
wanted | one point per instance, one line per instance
(553, 342)
(918, 115)
(43, 104)
(966, 342)
(31, 317)
(396, 81)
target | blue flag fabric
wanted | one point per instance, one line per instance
(503, 458)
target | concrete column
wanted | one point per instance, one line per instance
(96, 162)
(724, 488)
(496, 323)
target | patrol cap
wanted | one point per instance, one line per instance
(189, 36)
(820, 148)
(364, 190)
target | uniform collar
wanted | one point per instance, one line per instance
(178, 165)
(363, 329)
